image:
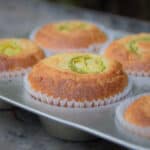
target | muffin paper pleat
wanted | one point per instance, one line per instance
(143, 131)
(9, 75)
(138, 74)
(73, 103)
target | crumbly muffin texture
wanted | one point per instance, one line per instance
(78, 63)
(10, 47)
(133, 52)
(138, 113)
(78, 76)
(16, 54)
(69, 35)
(72, 26)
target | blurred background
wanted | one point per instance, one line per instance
(20, 17)
(132, 8)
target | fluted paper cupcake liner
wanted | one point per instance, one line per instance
(93, 48)
(143, 131)
(9, 75)
(138, 74)
(73, 103)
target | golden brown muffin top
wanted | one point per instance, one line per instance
(67, 27)
(16, 54)
(86, 76)
(72, 26)
(133, 52)
(69, 35)
(77, 62)
(138, 113)
(14, 47)
(80, 63)
(136, 44)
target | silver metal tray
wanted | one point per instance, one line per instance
(65, 132)
(99, 122)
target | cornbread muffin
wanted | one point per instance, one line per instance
(69, 36)
(77, 77)
(134, 114)
(133, 52)
(138, 113)
(18, 54)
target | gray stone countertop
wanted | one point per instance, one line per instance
(17, 19)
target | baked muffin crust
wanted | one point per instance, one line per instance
(16, 54)
(94, 77)
(138, 113)
(69, 35)
(133, 52)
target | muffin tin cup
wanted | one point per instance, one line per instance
(123, 123)
(74, 104)
(93, 48)
(9, 75)
(141, 81)
(65, 132)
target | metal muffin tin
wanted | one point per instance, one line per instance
(65, 132)
(77, 124)
(68, 123)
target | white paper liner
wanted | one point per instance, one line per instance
(131, 127)
(74, 104)
(93, 48)
(141, 73)
(9, 75)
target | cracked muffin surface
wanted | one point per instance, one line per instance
(78, 76)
